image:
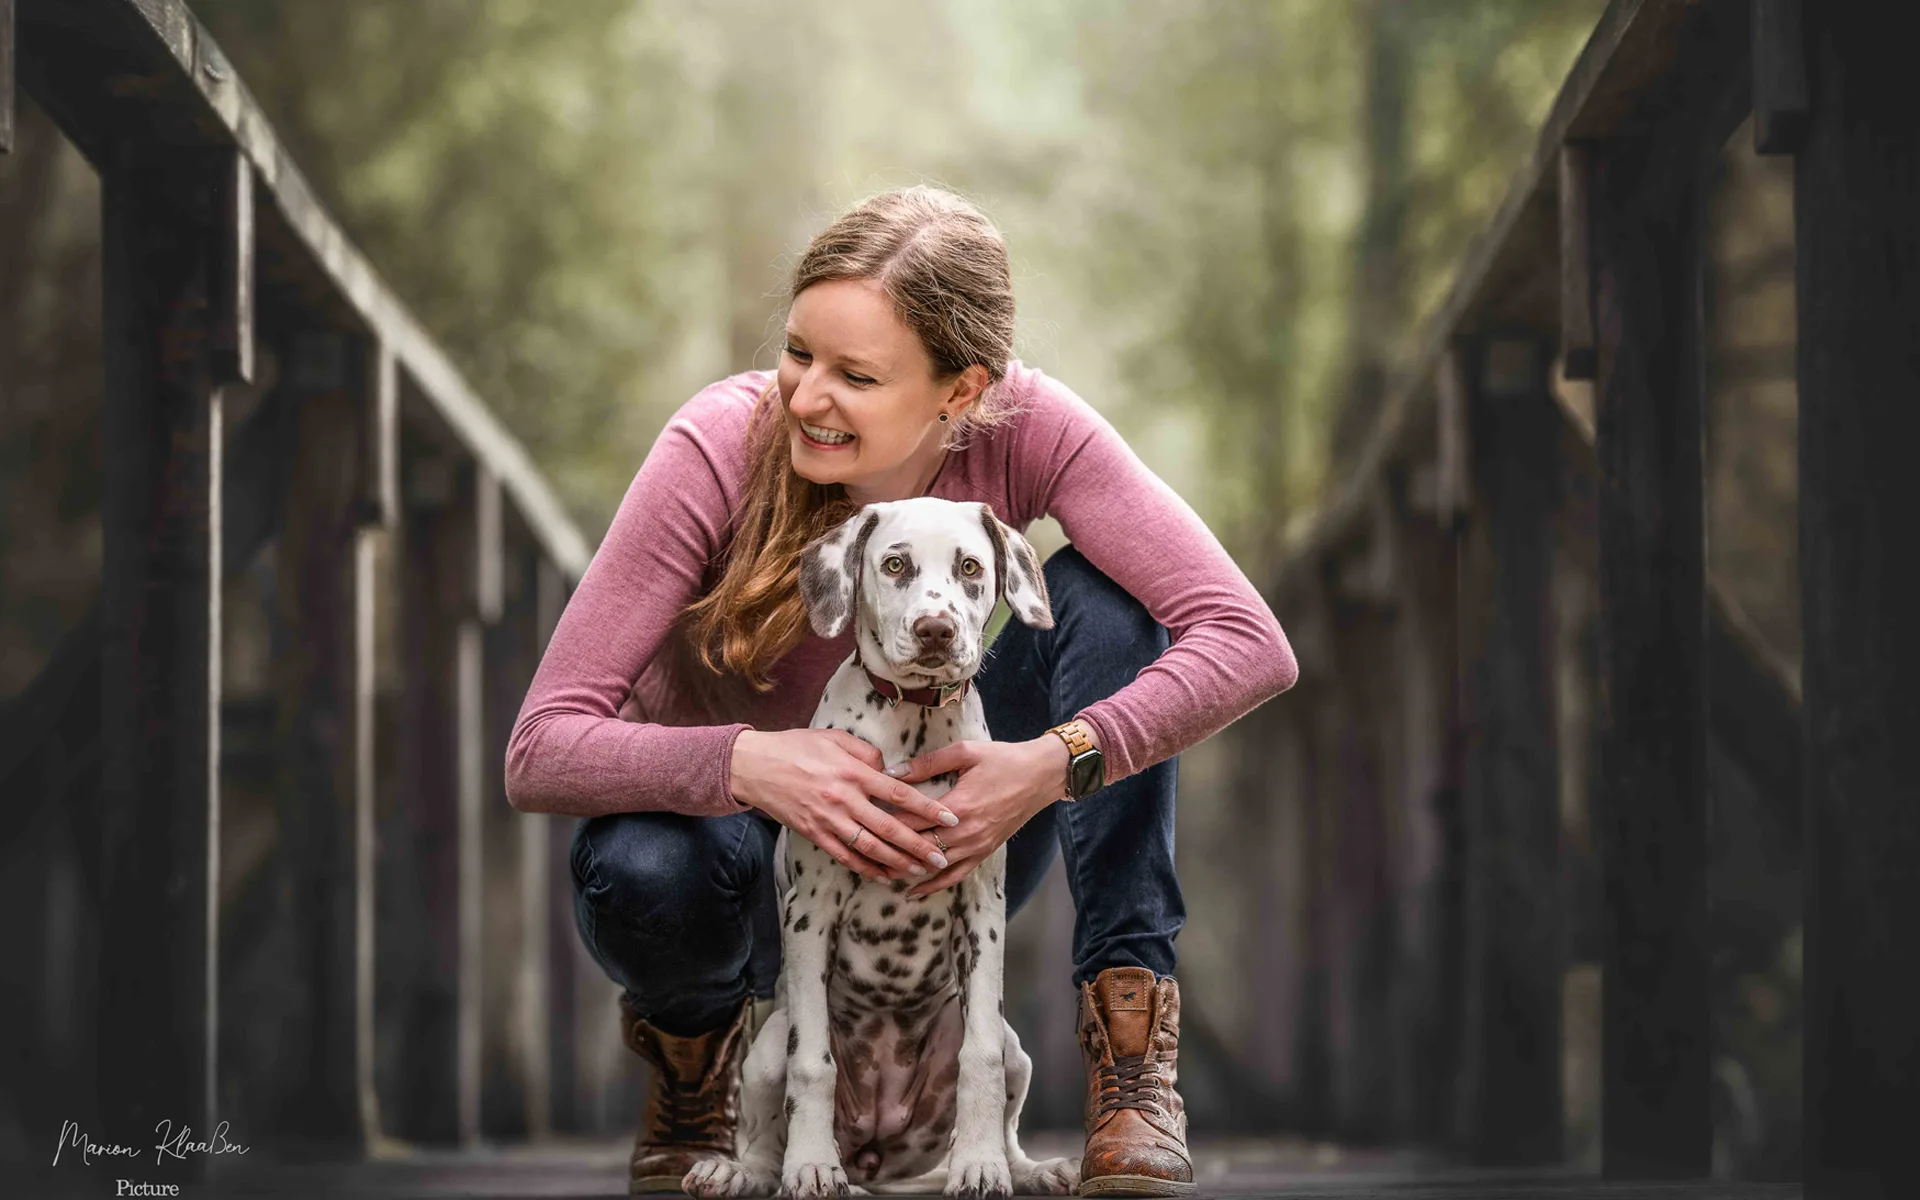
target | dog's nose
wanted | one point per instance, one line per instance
(934, 632)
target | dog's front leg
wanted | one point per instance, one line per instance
(977, 1168)
(812, 1167)
(1031, 1177)
(761, 1138)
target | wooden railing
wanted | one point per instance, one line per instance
(1547, 436)
(418, 562)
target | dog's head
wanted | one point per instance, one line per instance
(919, 578)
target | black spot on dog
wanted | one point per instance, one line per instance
(919, 920)
(793, 1102)
(886, 910)
(939, 922)
(799, 868)
(793, 1040)
(904, 735)
(908, 573)
(993, 935)
(800, 926)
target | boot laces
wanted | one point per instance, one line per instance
(1130, 1082)
(692, 1113)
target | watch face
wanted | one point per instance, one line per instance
(1086, 773)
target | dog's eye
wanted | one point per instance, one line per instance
(893, 564)
(970, 567)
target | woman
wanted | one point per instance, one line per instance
(896, 379)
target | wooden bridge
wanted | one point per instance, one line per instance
(1534, 747)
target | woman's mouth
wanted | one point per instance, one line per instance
(823, 438)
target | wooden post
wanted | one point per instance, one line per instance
(6, 76)
(1510, 1100)
(323, 668)
(160, 658)
(231, 297)
(515, 1088)
(1576, 280)
(480, 513)
(1779, 77)
(1650, 806)
(1453, 487)
(1857, 231)
(420, 875)
(1425, 663)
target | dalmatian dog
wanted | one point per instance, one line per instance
(887, 1063)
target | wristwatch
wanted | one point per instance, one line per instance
(1086, 769)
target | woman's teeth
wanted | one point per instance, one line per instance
(832, 437)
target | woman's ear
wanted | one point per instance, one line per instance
(968, 388)
(1016, 572)
(830, 572)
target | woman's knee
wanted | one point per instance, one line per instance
(1089, 597)
(640, 862)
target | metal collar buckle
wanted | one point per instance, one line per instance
(949, 691)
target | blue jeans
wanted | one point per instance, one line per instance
(681, 911)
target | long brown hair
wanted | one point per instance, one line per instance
(943, 266)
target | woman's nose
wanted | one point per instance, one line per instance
(810, 397)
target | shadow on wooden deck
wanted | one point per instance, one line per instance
(597, 1168)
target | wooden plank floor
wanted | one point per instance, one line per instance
(598, 1169)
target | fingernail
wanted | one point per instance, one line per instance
(947, 818)
(937, 859)
(917, 869)
(897, 770)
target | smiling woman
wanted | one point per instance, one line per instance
(896, 380)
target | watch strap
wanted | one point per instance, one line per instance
(1080, 749)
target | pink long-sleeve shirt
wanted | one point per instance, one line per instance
(607, 726)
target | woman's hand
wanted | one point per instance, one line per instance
(1001, 786)
(817, 782)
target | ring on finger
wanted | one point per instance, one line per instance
(939, 843)
(854, 841)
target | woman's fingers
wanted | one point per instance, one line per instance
(846, 854)
(868, 841)
(945, 879)
(891, 828)
(912, 799)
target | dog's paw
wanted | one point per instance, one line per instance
(979, 1179)
(1047, 1177)
(814, 1181)
(722, 1178)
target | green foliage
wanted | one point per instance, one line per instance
(591, 204)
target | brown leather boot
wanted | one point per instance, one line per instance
(693, 1101)
(1136, 1121)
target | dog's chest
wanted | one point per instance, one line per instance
(893, 1010)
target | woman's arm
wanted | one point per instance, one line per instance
(1228, 652)
(569, 751)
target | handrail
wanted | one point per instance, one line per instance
(180, 66)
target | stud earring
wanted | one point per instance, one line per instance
(943, 416)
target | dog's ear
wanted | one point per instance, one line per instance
(830, 572)
(1016, 572)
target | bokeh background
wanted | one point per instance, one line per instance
(1226, 220)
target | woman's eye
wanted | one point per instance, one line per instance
(893, 565)
(970, 567)
(797, 352)
(859, 380)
